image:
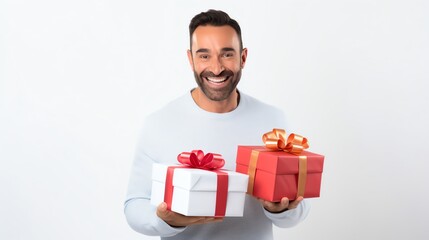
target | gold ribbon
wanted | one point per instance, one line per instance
(276, 140)
(302, 176)
(252, 170)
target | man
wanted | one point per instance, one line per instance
(214, 117)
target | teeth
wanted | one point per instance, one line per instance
(216, 79)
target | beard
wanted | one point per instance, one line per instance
(218, 94)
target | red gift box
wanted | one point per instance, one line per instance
(276, 174)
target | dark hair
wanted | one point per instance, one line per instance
(214, 18)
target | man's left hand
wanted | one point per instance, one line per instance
(283, 205)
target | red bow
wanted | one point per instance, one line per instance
(197, 159)
(210, 162)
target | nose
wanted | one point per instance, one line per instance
(216, 65)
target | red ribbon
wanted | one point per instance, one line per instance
(210, 162)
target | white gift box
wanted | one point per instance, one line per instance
(194, 191)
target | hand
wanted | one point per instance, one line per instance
(178, 220)
(283, 205)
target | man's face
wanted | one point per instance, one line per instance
(216, 60)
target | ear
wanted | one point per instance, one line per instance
(243, 57)
(190, 59)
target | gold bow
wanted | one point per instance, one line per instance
(276, 140)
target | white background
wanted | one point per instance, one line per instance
(78, 77)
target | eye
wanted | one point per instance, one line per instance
(204, 56)
(228, 55)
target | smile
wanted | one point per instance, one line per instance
(217, 79)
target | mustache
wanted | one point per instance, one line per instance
(224, 73)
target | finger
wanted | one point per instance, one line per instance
(161, 210)
(205, 220)
(275, 207)
(295, 203)
(268, 205)
(208, 220)
(215, 220)
(165, 214)
(280, 206)
(196, 220)
(176, 219)
(284, 203)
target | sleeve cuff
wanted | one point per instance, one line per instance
(290, 217)
(166, 229)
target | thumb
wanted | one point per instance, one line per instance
(162, 209)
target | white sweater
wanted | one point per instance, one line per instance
(183, 126)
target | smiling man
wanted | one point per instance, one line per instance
(214, 117)
(217, 58)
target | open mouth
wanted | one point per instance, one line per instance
(217, 80)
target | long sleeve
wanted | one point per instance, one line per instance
(141, 217)
(140, 214)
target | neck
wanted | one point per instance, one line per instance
(209, 105)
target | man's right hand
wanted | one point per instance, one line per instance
(178, 220)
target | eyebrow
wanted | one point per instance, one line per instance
(202, 50)
(228, 49)
(205, 50)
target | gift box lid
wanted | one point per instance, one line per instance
(279, 162)
(194, 179)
